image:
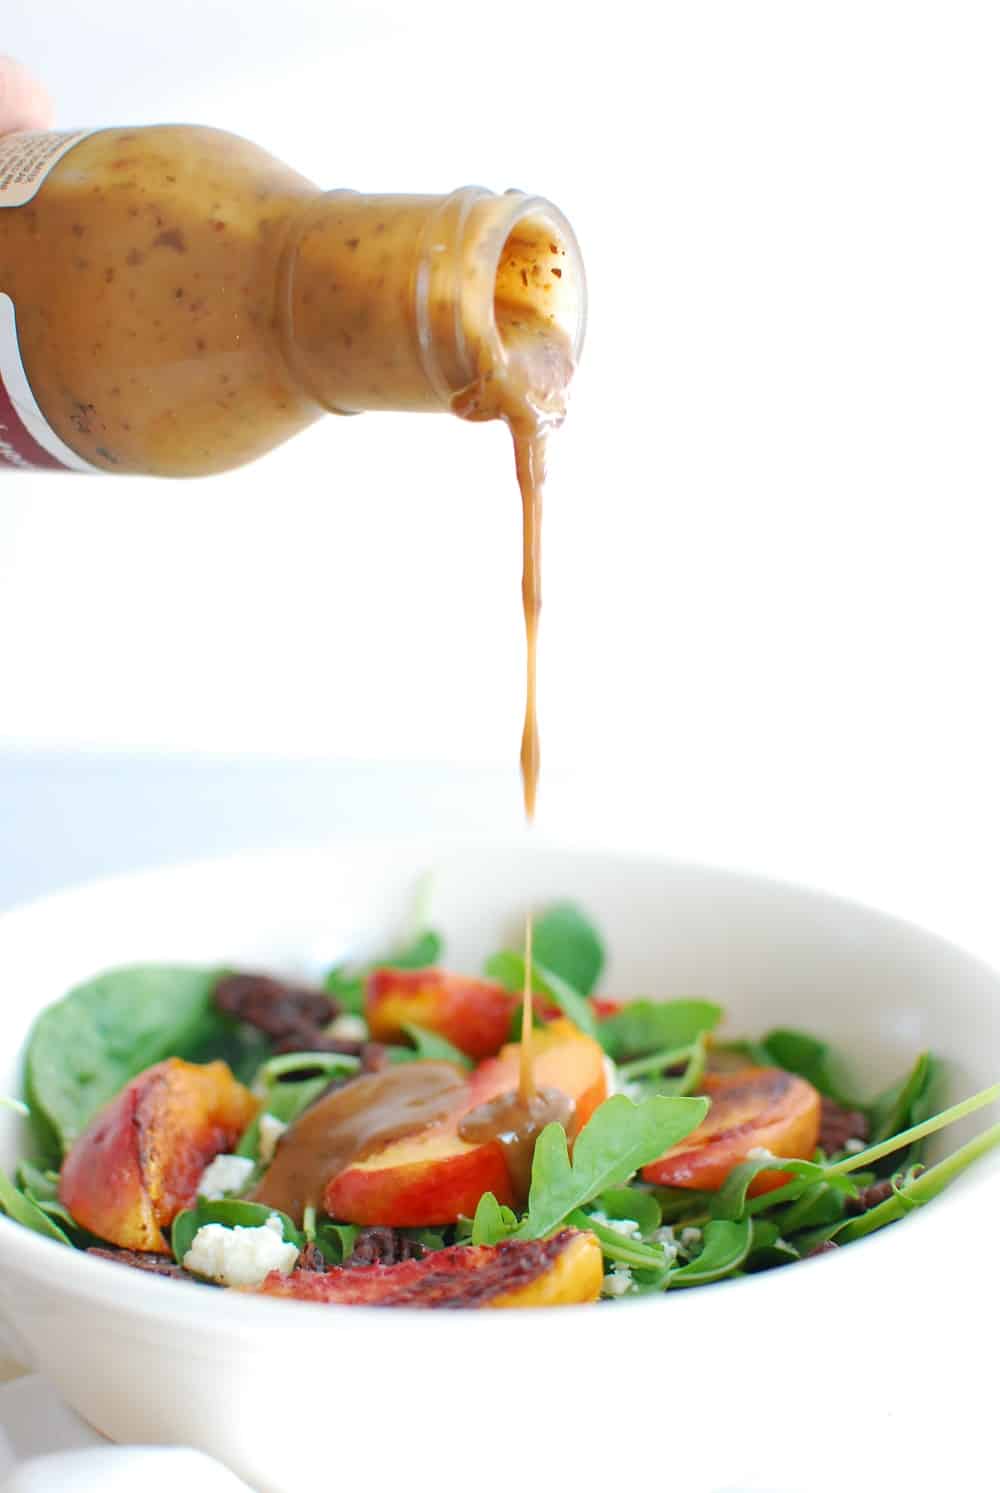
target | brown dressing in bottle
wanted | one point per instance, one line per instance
(344, 1127)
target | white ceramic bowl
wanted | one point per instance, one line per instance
(719, 1387)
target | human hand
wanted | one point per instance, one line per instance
(24, 103)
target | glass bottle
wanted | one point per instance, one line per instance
(175, 302)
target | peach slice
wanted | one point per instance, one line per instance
(565, 1270)
(753, 1107)
(434, 1176)
(474, 1015)
(139, 1161)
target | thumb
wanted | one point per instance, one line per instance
(24, 103)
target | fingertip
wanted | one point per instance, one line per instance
(24, 102)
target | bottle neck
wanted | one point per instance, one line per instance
(430, 303)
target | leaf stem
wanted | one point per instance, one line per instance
(864, 1159)
(922, 1188)
(655, 1062)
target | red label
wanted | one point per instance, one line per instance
(18, 447)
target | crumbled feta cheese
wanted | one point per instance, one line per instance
(690, 1237)
(634, 1091)
(224, 1175)
(665, 1237)
(611, 1082)
(348, 1028)
(240, 1256)
(619, 1282)
(759, 1153)
(269, 1131)
(853, 1146)
(624, 1226)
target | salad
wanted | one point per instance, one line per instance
(370, 1140)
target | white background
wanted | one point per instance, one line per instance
(770, 565)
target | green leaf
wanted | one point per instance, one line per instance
(619, 1247)
(798, 1052)
(430, 1045)
(618, 1139)
(904, 1103)
(493, 1222)
(768, 1248)
(336, 1241)
(656, 1026)
(23, 1211)
(731, 1202)
(508, 969)
(725, 1245)
(42, 1186)
(83, 1050)
(232, 1213)
(634, 1203)
(346, 982)
(566, 944)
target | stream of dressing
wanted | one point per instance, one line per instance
(528, 392)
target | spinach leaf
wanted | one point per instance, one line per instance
(346, 982)
(508, 969)
(618, 1139)
(42, 1186)
(798, 1052)
(23, 1211)
(84, 1049)
(653, 1026)
(725, 1245)
(568, 945)
(427, 1044)
(493, 1222)
(232, 1213)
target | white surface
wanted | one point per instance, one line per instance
(781, 1350)
(770, 543)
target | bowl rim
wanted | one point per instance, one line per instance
(97, 1282)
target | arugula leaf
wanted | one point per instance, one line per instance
(493, 1222)
(232, 1213)
(731, 1201)
(566, 944)
(429, 1044)
(618, 1139)
(906, 1102)
(84, 1049)
(26, 1212)
(346, 982)
(768, 1248)
(336, 1241)
(798, 1052)
(644, 1027)
(508, 969)
(725, 1245)
(634, 1203)
(615, 1246)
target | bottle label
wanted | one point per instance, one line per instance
(27, 440)
(27, 159)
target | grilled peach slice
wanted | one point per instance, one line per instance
(139, 1161)
(751, 1108)
(565, 1270)
(435, 1176)
(474, 1015)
